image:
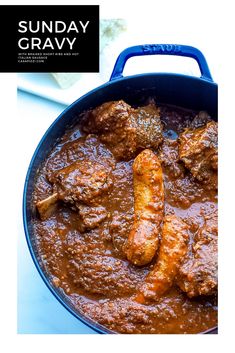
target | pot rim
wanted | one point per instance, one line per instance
(58, 295)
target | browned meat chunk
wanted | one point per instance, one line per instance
(123, 129)
(201, 119)
(86, 148)
(169, 157)
(199, 150)
(198, 273)
(91, 217)
(83, 185)
(148, 206)
(148, 126)
(82, 182)
(171, 253)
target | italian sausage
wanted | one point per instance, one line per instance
(171, 252)
(148, 208)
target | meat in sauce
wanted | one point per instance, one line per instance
(199, 150)
(125, 184)
(123, 129)
(198, 272)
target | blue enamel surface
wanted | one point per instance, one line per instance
(161, 49)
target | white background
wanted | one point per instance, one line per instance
(204, 24)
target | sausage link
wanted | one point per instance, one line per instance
(148, 208)
(171, 253)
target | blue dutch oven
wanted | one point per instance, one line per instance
(197, 93)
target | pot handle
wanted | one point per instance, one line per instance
(161, 49)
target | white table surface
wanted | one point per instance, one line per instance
(209, 27)
(38, 310)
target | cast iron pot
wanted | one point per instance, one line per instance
(177, 89)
